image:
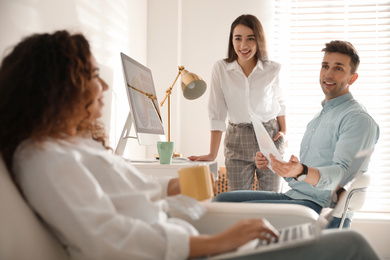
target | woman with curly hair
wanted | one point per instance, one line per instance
(44, 83)
(95, 202)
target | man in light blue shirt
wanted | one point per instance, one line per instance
(336, 134)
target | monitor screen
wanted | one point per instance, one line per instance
(148, 127)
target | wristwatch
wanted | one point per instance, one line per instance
(336, 195)
(302, 176)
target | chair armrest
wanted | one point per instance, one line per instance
(221, 215)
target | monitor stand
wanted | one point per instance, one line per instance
(120, 148)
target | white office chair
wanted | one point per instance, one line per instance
(22, 235)
(352, 200)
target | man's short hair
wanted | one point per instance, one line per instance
(347, 48)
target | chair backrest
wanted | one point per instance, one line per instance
(22, 235)
(353, 200)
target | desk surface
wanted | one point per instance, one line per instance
(170, 170)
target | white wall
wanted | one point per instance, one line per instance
(376, 229)
(194, 34)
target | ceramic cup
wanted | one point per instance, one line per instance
(165, 152)
(196, 182)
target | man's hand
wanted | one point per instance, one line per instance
(291, 168)
(261, 161)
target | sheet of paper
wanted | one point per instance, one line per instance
(266, 144)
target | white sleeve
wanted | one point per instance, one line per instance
(63, 191)
(279, 95)
(163, 181)
(217, 105)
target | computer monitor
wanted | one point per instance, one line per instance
(143, 114)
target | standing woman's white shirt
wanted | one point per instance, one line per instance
(235, 96)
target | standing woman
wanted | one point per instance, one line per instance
(245, 83)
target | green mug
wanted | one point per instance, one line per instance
(165, 152)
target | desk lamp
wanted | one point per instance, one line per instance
(192, 86)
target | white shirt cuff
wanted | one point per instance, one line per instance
(218, 125)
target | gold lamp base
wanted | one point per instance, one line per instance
(175, 155)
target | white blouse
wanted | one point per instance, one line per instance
(97, 204)
(234, 95)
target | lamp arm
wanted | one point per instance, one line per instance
(152, 98)
(156, 108)
(169, 90)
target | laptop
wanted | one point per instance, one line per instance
(303, 233)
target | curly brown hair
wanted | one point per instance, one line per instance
(43, 81)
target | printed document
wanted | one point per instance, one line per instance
(266, 144)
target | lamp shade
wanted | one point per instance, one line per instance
(192, 85)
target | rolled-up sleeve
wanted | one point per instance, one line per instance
(280, 95)
(164, 185)
(217, 105)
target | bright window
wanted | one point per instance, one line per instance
(302, 29)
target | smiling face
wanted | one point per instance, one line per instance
(335, 75)
(97, 87)
(244, 43)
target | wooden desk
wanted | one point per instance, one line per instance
(170, 170)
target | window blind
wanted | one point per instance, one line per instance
(302, 29)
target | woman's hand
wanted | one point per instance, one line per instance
(280, 134)
(242, 232)
(261, 161)
(173, 187)
(215, 140)
(207, 157)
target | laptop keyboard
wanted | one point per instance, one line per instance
(290, 234)
(302, 233)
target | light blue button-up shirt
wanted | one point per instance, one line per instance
(332, 139)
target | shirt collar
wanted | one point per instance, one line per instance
(337, 101)
(235, 66)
